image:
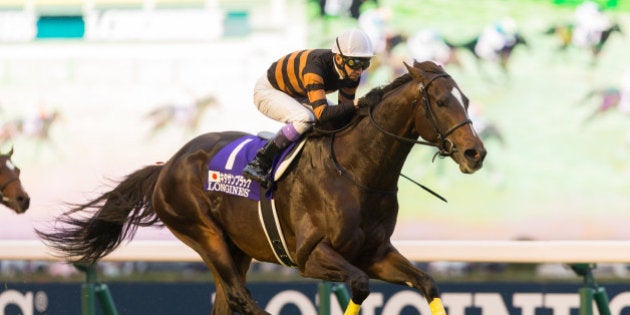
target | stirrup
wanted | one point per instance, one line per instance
(251, 173)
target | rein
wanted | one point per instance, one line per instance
(346, 174)
(445, 146)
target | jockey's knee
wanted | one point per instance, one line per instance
(302, 127)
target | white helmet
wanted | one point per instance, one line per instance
(353, 43)
(507, 26)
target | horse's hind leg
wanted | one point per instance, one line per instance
(208, 241)
(395, 268)
(190, 223)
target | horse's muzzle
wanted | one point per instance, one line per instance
(472, 160)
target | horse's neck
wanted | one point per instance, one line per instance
(384, 154)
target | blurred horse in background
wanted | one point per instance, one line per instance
(430, 45)
(187, 115)
(422, 45)
(341, 7)
(608, 99)
(37, 127)
(12, 194)
(495, 44)
(593, 44)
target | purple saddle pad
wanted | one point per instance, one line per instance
(226, 167)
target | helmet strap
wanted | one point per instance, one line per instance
(341, 66)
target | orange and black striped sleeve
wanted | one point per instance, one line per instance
(311, 74)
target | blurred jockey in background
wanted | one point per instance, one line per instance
(495, 37)
(590, 22)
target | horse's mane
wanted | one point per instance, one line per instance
(375, 95)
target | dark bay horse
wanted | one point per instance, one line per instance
(12, 194)
(337, 206)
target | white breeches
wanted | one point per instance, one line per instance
(280, 106)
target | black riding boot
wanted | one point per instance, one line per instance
(258, 169)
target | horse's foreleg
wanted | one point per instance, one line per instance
(326, 264)
(397, 269)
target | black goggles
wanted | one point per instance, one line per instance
(353, 62)
(357, 63)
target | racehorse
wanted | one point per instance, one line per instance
(336, 207)
(37, 127)
(188, 115)
(501, 56)
(564, 32)
(609, 98)
(12, 194)
(430, 44)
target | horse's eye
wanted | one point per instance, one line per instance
(441, 103)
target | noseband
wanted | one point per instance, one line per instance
(445, 146)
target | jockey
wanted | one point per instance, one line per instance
(496, 37)
(428, 45)
(590, 23)
(374, 23)
(293, 91)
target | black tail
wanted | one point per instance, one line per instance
(115, 216)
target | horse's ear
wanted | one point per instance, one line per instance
(415, 72)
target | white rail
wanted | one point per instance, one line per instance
(468, 251)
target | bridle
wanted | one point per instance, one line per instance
(444, 145)
(4, 186)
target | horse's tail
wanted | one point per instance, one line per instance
(115, 216)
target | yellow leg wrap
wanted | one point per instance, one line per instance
(436, 307)
(353, 309)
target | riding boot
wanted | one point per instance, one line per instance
(258, 169)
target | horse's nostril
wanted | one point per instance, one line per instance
(475, 155)
(24, 201)
(472, 154)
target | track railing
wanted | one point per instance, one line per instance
(581, 256)
(422, 251)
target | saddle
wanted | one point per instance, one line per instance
(224, 175)
(225, 168)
